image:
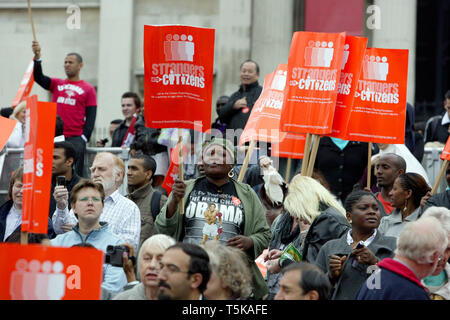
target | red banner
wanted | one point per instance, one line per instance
(267, 110)
(37, 164)
(25, 86)
(379, 109)
(354, 49)
(445, 155)
(35, 272)
(172, 173)
(178, 63)
(293, 146)
(314, 68)
(6, 129)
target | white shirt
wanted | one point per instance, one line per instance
(17, 137)
(13, 220)
(365, 243)
(445, 119)
(121, 214)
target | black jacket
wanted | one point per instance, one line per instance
(119, 134)
(435, 131)
(146, 139)
(438, 200)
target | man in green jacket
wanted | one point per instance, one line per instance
(240, 222)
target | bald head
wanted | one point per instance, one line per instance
(396, 160)
(388, 168)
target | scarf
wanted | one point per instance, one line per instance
(130, 134)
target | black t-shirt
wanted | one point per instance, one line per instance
(229, 209)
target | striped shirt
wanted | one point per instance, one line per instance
(121, 214)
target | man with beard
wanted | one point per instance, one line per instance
(121, 214)
(184, 272)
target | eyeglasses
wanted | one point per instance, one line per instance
(170, 269)
(86, 199)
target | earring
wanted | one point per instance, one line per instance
(406, 205)
(231, 173)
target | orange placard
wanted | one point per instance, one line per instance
(262, 265)
(264, 121)
(37, 164)
(314, 68)
(178, 63)
(172, 173)
(35, 272)
(25, 86)
(445, 155)
(6, 129)
(379, 109)
(292, 146)
(354, 49)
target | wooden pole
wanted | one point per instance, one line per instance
(180, 164)
(369, 165)
(31, 20)
(288, 169)
(246, 160)
(306, 154)
(439, 177)
(312, 158)
(24, 237)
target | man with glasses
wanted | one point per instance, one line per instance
(184, 272)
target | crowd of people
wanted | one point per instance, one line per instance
(321, 237)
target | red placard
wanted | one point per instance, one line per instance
(172, 173)
(178, 63)
(37, 164)
(35, 272)
(6, 129)
(354, 49)
(445, 155)
(314, 67)
(264, 121)
(25, 86)
(293, 146)
(379, 109)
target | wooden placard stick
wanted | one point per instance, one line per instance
(369, 165)
(312, 158)
(288, 169)
(24, 237)
(180, 164)
(246, 160)
(306, 154)
(439, 177)
(31, 20)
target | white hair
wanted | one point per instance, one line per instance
(161, 241)
(420, 240)
(440, 213)
(305, 195)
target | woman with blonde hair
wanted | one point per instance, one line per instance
(17, 138)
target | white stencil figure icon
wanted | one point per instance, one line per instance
(375, 68)
(345, 56)
(179, 48)
(57, 282)
(279, 81)
(319, 54)
(17, 278)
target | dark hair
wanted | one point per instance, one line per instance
(59, 128)
(311, 278)
(137, 100)
(250, 60)
(6, 112)
(199, 261)
(83, 184)
(116, 121)
(79, 58)
(416, 183)
(354, 197)
(399, 162)
(149, 162)
(222, 100)
(69, 149)
(16, 175)
(447, 95)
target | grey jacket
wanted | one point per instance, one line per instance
(351, 278)
(135, 293)
(392, 225)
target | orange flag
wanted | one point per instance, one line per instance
(379, 109)
(314, 68)
(445, 155)
(293, 146)
(35, 272)
(25, 86)
(178, 64)
(172, 173)
(37, 164)
(6, 128)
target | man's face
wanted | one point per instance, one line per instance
(128, 108)
(289, 287)
(102, 171)
(72, 66)
(89, 205)
(447, 105)
(174, 279)
(386, 171)
(149, 264)
(441, 264)
(136, 174)
(61, 165)
(248, 73)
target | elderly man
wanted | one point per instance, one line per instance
(303, 281)
(184, 272)
(420, 247)
(123, 215)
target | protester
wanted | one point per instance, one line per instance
(231, 278)
(112, 127)
(437, 127)
(87, 200)
(345, 263)
(438, 284)
(303, 281)
(149, 258)
(217, 124)
(149, 201)
(17, 137)
(388, 167)
(125, 133)
(11, 213)
(63, 160)
(121, 214)
(184, 272)
(440, 199)
(243, 223)
(76, 101)
(406, 194)
(59, 130)
(419, 249)
(342, 163)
